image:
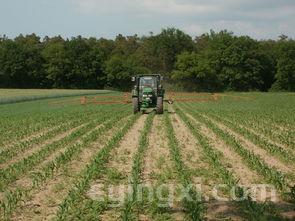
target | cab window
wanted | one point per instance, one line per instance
(148, 82)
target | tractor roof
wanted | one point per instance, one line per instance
(148, 75)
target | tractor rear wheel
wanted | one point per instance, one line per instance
(160, 105)
(135, 105)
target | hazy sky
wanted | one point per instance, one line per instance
(106, 18)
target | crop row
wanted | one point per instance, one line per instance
(14, 197)
(131, 198)
(285, 137)
(40, 95)
(282, 153)
(253, 161)
(68, 208)
(194, 206)
(255, 129)
(20, 147)
(17, 127)
(251, 209)
(11, 173)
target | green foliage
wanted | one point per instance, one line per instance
(212, 62)
(195, 72)
(54, 54)
(68, 208)
(194, 207)
(285, 76)
(21, 62)
(223, 62)
(252, 210)
(131, 202)
(119, 70)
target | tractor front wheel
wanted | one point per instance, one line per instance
(160, 105)
(135, 105)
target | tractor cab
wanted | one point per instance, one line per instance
(147, 93)
(148, 82)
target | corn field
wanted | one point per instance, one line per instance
(232, 158)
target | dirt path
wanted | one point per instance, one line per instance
(44, 201)
(123, 155)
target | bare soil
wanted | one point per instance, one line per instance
(218, 210)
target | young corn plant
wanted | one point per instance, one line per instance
(258, 126)
(255, 162)
(273, 149)
(95, 168)
(48, 170)
(9, 153)
(251, 209)
(131, 198)
(194, 207)
(12, 172)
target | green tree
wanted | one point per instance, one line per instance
(285, 76)
(125, 45)
(158, 53)
(119, 70)
(56, 62)
(222, 61)
(268, 58)
(85, 63)
(213, 61)
(241, 67)
(21, 62)
(148, 54)
(196, 72)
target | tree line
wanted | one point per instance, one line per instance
(215, 61)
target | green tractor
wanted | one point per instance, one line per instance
(147, 93)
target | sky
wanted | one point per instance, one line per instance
(260, 19)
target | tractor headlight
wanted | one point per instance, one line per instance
(150, 95)
(144, 95)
